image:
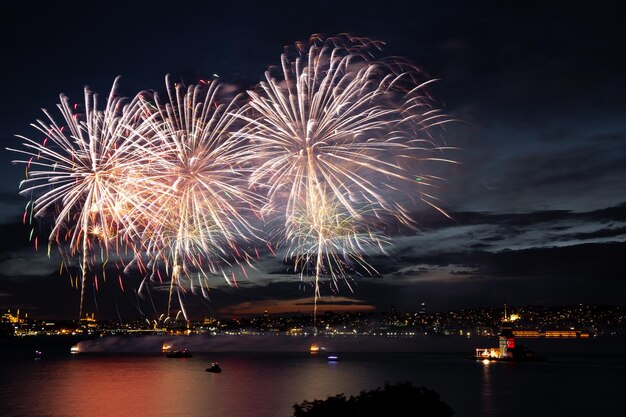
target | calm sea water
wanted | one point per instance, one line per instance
(265, 376)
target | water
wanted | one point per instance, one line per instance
(580, 377)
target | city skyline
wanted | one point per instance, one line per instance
(574, 321)
(536, 205)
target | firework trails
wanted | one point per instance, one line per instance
(340, 139)
(329, 151)
(79, 172)
(191, 193)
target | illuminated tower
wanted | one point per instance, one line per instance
(506, 337)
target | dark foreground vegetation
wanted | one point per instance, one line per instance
(399, 400)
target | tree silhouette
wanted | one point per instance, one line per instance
(399, 400)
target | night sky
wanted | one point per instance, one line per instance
(537, 201)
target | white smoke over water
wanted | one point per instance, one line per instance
(270, 343)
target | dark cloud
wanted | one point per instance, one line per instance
(494, 238)
(602, 261)
(479, 246)
(465, 273)
(511, 220)
(617, 213)
(597, 234)
(412, 270)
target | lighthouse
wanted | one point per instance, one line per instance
(506, 337)
(507, 350)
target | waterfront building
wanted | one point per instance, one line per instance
(507, 349)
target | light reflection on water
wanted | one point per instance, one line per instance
(268, 384)
(486, 390)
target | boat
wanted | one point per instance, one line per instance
(315, 349)
(179, 354)
(518, 353)
(333, 358)
(74, 350)
(37, 355)
(215, 368)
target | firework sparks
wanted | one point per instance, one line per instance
(340, 138)
(325, 240)
(78, 173)
(191, 194)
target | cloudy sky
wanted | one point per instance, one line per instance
(537, 201)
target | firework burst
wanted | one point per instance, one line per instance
(78, 173)
(340, 139)
(191, 195)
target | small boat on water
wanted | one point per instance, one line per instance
(179, 354)
(37, 355)
(214, 368)
(518, 353)
(333, 358)
(315, 349)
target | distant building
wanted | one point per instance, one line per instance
(13, 318)
(422, 309)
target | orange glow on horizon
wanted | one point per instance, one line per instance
(298, 305)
